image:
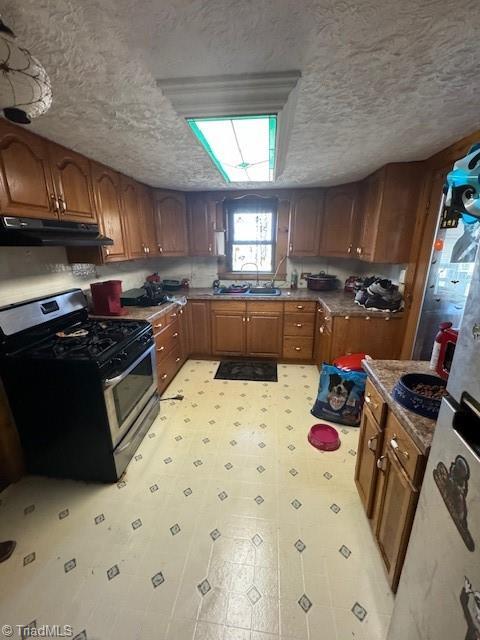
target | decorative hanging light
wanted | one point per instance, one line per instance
(25, 89)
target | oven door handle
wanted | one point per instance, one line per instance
(110, 382)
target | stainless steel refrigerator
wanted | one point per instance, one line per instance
(446, 289)
(439, 593)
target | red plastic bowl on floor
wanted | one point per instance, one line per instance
(324, 437)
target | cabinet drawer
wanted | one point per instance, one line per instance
(293, 306)
(297, 348)
(159, 323)
(265, 306)
(168, 367)
(228, 305)
(375, 403)
(299, 324)
(165, 340)
(404, 450)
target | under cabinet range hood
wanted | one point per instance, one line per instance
(30, 232)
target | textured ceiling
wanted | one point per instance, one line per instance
(383, 80)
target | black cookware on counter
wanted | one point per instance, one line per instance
(322, 282)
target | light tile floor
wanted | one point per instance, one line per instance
(228, 525)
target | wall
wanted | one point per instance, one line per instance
(29, 272)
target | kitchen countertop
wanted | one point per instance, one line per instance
(336, 303)
(384, 374)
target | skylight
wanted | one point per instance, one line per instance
(241, 147)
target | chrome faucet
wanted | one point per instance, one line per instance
(256, 267)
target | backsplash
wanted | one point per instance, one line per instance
(29, 272)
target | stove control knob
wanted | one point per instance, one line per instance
(123, 355)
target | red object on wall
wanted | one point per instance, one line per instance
(106, 298)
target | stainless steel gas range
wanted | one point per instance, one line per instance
(82, 391)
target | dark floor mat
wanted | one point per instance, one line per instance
(258, 371)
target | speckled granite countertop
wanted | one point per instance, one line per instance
(142, 313)
(337, 303)
(384, 374)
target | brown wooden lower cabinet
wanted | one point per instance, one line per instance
(198, 322)
(252, 329)
(369, 447)
(397, 500)
(388, 474)
(228, 333)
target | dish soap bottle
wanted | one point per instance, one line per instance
(294, 280)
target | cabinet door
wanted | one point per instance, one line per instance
(26, 187)
(339, 221)
(171, 223)
(305, 219)
(201, 222)
(106, 189)
(380, 337)
(149, 237)
(132, 213)
(397, 500)
(371, 203)
(228, 333)
(73, 184)
(369, 448)
(265, 334)
(198, 317)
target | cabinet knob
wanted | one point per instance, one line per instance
(177, 359)
(359, 251)
(173, 315)
(347, 318)
(381, 463)
(164, 377)
(387, 319)
(349, 250)
(160, 249)
(290, 248)
(322, 329)
(159, 325)
(248, 319)
(327, 318)
(175, 335)
(369, 401)
(299, 306)
(107, 251)
(160, 349)
(209, 248)
(372, 443)
(299, 324)
(244, 319)
(298, 348)
(367, 317)
(62, 205)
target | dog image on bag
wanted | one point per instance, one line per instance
(340, 395)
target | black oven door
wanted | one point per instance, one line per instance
(127, 394)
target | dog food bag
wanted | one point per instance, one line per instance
(340, 395)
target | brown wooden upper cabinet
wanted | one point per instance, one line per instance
(170, 213)
(132, 211)
(389, 208)
(73, 184)
(26, 186)
(149, 235)
(201, 224)
(106, 189)
(339, 221)
(306, 209)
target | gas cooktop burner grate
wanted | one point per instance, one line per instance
(86, 340)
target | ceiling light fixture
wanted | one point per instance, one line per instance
(25, 89)
(243, 121)
(241, 147)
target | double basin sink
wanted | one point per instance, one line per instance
(252, 291)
